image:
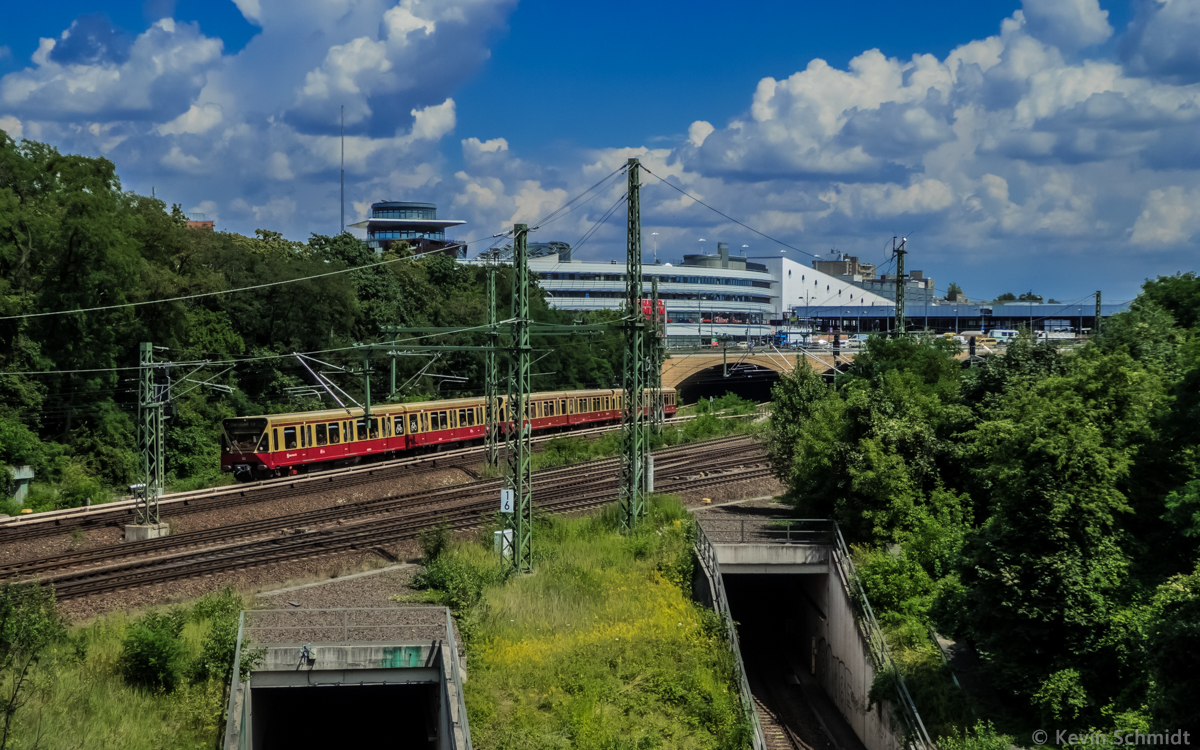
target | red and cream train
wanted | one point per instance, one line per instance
(282, 444)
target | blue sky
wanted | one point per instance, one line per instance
(1037, 144)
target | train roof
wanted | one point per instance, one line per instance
(354, 412)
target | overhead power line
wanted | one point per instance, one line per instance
(727, 216)
(239, 289)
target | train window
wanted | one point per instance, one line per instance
(289, 438)
(321, 440)
(334, 430)
(424, 422)
(387, 427)
(413, 424)
(434, 421)
(303, 437)
(606, 407)
(563, 410)
(310, 440)
(466, 417)
(347, 433)
(362, 429)
(471, 415)
(374, 428)
(263, 446)
(275, 437)
(453, 418)
(443, 420)
(549, 408)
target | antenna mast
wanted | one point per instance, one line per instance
(343, 201)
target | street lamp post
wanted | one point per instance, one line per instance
(655, 236)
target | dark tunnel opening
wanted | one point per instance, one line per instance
(298, 718)
(777, 617)
(750, 382)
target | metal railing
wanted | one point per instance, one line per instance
(708, 560)
(813, 531)
(770, 531)
(916, 735)
(456, 678)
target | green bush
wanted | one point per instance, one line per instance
(458, 580)
(434, 542)
(152, 656)
(215, 661)
(982, 736)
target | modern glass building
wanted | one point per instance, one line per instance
(414, 223)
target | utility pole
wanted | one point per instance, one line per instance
(899, 252)
(1096, 325)
(520, 446)
(633, 437)
(150, 441)
(491, 376)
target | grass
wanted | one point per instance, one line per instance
(707, 425)
(82, 701)
(600, 647)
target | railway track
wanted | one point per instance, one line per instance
(185, 503)
(668, 462)
(259, 543)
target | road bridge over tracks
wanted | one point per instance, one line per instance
(808, 641)
(706, 372)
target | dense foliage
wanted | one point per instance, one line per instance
(1044, 506)
(156, 680)
(71, 239)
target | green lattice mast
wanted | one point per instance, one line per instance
(633, 434)
(491, 376)
(520, 447)
(150, 438)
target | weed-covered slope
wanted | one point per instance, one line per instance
(601, 647)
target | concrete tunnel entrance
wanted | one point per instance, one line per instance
(776, 615)
(751, 382)
(312, 718)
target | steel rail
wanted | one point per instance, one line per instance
(670, 462)
(373, 506)
(334, 541)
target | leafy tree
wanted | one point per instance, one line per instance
(29, 625)
(1179, 295)
(1007, 297)
(953, 292)
(1029, 297)
(1173, 659)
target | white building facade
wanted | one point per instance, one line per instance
(708, 297)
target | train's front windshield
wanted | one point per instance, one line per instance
(242, 435)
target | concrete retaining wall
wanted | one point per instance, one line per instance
(842, 663)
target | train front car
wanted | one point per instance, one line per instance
(242, 441)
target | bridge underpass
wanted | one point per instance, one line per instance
(808, 659)
(747, 373)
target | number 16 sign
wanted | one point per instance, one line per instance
(506, 501)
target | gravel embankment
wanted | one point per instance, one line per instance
(111, 536)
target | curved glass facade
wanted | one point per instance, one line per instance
(404, 234)
(403, 213)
